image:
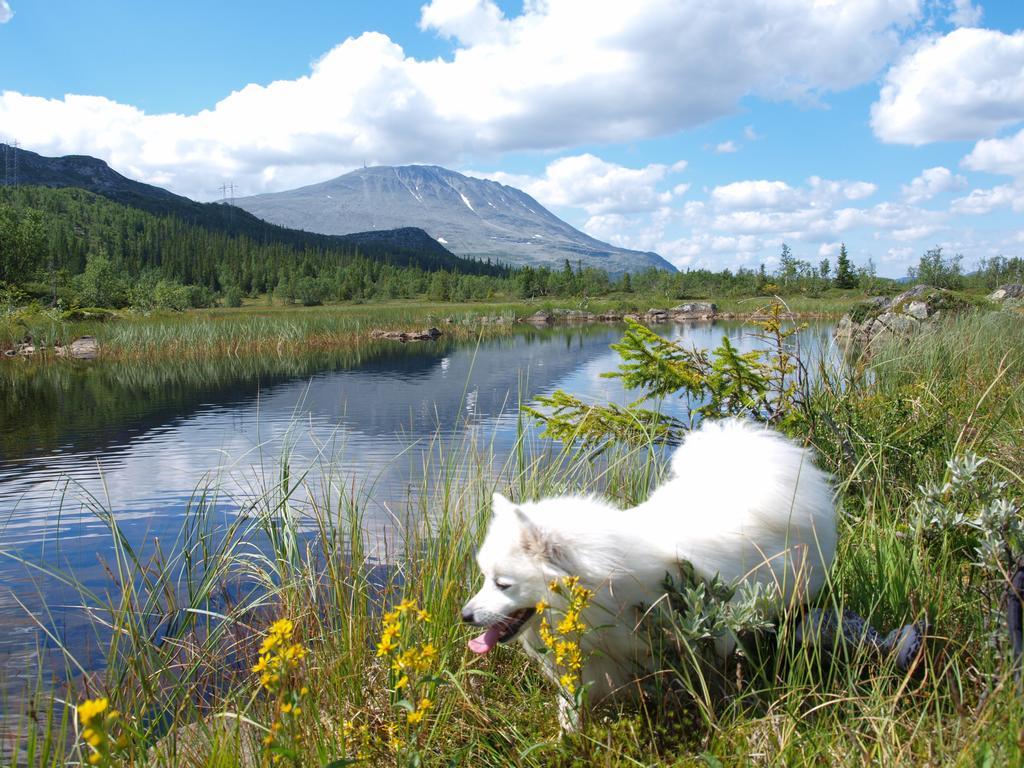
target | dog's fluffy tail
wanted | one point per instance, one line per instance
(744, 494)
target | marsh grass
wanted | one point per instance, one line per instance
(268, 329)
(182, 624)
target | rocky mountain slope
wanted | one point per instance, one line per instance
(472, 217)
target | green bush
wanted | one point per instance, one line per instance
(233, 296)
(170, 295)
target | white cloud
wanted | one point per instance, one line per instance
(468, 21)
(754, 195)
(932, 182)
(965, 14)
(967, 84)
(764, 195)
(902, 254)
(561, 73)
(6, 14)
(750, 134)
(981, 201)
(1001, 156)
(597, 186)
(727, 147)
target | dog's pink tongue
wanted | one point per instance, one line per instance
(485, 642)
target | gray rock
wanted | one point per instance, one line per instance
(917, 310)
(540, 317)
(578, 316)
(1008, 291)
(657, 315)
(84, 348)
(694, 310)
(405, 336)
(880, 318)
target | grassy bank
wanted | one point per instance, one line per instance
(259, 328)
(183, 636)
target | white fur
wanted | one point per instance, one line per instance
(743, 502)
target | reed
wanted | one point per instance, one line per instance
(182, 624)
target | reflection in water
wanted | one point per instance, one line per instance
(138, 438)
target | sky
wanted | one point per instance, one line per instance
(709, 131)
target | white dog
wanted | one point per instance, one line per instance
(742, 502)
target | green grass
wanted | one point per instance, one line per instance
(883, 429)
(261, 328)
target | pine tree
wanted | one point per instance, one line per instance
(845, 277)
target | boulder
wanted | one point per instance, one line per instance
(540, 317)
(83, 348)
(1013, 291)
(656, 316)
(578, 316)
(882, 318)
(405, 336)
(694, 310)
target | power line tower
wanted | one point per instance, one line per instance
(11, 149)
(227, 193)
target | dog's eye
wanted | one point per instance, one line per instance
(502, 585)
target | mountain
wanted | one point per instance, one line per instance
(405, 245)
(474, 218)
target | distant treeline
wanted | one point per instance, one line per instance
(80, 249)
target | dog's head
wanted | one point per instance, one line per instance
(518, 559)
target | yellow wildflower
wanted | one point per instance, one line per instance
(414, 717)
(405, 606)
(568, 682)
(89, 708)
(423, 615)
(286, 708)
(282, 628)
(427, 654)
(94, 758)
(402, 682)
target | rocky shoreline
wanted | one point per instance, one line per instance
(82, 348)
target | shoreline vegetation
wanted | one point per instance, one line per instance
(251, 643)
(261, 327)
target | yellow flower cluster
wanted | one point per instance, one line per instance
(357, 739)
(278, 654)
(279, 663)
(96, 719)
(411, 662)
(564, 641)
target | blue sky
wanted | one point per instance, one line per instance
(710, 132)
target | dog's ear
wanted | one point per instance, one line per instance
(501, 506)
(539, 543)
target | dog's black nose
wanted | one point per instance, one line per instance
(467, 615)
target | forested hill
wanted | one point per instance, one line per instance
(72, 225)
(407, 246)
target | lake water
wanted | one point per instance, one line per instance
(138, 439)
